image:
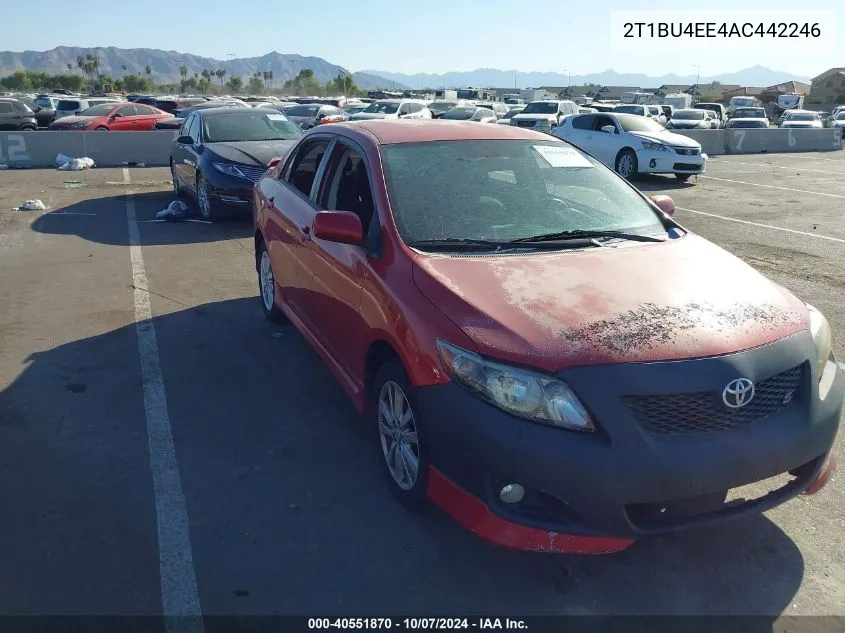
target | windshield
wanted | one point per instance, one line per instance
(750, 113)
(840, 116)
(43, 102)
(441, 106)
(630, 109)
(541, 107)
(467, 94)
(66, 104)
(802, 116)
(98, 110)
(460, 114)
(382, 107)
(634, 123)
(713, 107)
(742, 101)
(249, 126)
(506, 189)
(510, 113)
(689, 115)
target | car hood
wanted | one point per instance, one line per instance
(251, 152)
(681, 299)
(800, 124)
(533, 117)
(685, 123)
(749, 119)
(68, 120)
(668, 138)
(364, 116)
(171, 122)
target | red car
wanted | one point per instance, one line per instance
(117, 117)
(537, 347)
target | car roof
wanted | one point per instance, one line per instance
(209, 112)
(389, 132)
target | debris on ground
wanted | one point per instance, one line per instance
(2, 166)
(68, 163)
(132, 163)
(31, 205)
(176, 211)
(74, 184)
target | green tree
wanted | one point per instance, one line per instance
(149, 72)
(124, 69)
(204, 85)
(255, 85)
(69, 69)
(220, 74)
(235, 84)
(183, 71)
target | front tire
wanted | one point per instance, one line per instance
(204, 203)
(682, 177)
(102, 128)
(626, 164)
(177, 188)
(267, 286)
(399, 436)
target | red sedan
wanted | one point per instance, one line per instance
(117, 117)
(537, 346)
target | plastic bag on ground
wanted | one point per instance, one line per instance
(176, 211)
(76, 164)
(31, 205)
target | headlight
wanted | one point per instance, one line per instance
(820, 329)
(517, 391)
(229, 169)
(79, 125)
(660, 147)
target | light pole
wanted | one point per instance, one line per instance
(697, 73)
(569, 75)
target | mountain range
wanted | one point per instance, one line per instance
(165, 64)
(165, 67)
(494, 78)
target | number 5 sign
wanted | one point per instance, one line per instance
(13, 149)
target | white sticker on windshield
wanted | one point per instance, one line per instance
(277, 117)
(558, 156)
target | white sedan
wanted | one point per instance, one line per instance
(632, 144)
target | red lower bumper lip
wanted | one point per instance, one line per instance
(825, 473)
(475, 516)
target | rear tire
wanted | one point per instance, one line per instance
(177, 188)
(267, 286)
(102, 128)
(400, 438)
(682, 177)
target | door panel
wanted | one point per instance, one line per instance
(289, 220)
(125, 123)
(332, 275)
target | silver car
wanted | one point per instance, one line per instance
(309, 115)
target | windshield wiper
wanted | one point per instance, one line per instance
(456, 243)
(579, 234)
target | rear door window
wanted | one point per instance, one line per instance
(303, 169)
(68, 105)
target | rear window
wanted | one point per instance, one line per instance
(68, 105)
(305, 110)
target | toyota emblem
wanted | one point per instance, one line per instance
(738, 393)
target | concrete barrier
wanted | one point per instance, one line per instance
(107, 149)
(777, 140)
(712, 141)
(762, 141)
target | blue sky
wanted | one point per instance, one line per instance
(398, 35)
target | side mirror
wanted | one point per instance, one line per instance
(116, 115)
(185, 140)
(343, 227)
(610, 129)
(273, 162)
(664, 203)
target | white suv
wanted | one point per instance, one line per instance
(544, 115)
(71, 106)
(393, 109)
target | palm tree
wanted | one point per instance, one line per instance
(95, 65)
(270, 76)
(124, 69)
(220, 74)
(183, 70)
(149, 71)
(69, 69)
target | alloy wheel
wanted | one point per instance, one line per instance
(202, 198)
(268, 282)
(398, 432)
(626, 165)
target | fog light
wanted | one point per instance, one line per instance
(652, 163)
(512, 493)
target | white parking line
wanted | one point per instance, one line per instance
(793, 168)
(755, 184)
(765, 226)
(179, 594)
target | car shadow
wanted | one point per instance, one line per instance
(103, 220)
(288, 511)
(657, 182)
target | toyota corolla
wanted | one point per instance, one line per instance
(537, 347)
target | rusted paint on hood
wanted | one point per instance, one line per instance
(681, 299)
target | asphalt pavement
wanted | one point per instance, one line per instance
(212, 462)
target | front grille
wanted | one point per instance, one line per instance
(525, 123)
(687, 151)
(253, 172)
(687, 166)
(704, 411)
